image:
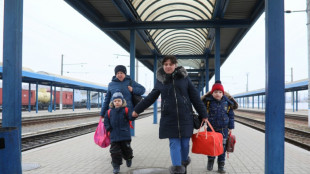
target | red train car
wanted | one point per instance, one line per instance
(67, 97)
(25, 98)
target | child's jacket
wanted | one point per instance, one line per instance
(220, 113)
(118, 123)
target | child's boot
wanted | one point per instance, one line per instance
(116, 168)
(177, 169)
(186, 163)
(210, 164)
(129, 162)
(221, 167)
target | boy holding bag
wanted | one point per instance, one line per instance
(221, 117)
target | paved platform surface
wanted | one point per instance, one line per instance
(81, 155)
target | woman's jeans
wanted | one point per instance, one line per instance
(179, 149)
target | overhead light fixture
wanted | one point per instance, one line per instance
(150, 44)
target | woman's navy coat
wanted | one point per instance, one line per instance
(115, 85)
(177, 96)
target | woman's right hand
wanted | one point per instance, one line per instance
(134, 114)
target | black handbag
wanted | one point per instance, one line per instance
(197, 121)
(135, 98)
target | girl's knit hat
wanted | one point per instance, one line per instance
(117, 95)
(217, 86)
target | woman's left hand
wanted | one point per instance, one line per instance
(205, 120)
(130, 88)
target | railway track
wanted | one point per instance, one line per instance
(49, 136)
(294, 136)
(287, 115)
(56, 117)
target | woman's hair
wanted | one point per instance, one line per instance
(173, 59)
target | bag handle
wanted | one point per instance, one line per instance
(209, 124)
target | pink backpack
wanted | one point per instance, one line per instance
(101, 137)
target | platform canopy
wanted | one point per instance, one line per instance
(49, 79)
(184, 28)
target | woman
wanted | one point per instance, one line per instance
(123, 83)
(176, 122)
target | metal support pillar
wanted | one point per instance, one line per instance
(243, 101)
(258, 102)
(252, 102)
(293, 101)
(207, 74)
(296, 100)
(275, 85)
(155, 79)
(37, 94)
(98, 99)
(217, 53)
(88, 95)
(102, 97)
(73, 99)
(12, 86)
(263, 102)
(54, 99)
(29, 98)
(51, 99)
(308, 32)
(132, 65)
(201, 83)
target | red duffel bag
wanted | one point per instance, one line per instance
(207, 143)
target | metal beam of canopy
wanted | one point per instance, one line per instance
(211, 56)
(178, 24)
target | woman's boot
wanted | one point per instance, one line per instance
(177, 169)
(186, 163)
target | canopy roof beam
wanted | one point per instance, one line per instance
(202, 56)
(176, 24)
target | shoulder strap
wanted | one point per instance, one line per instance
(109, 113)
(130, 122)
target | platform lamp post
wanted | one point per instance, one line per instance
(308, 33)
(61, 73)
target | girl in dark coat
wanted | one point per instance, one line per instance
(176, 122)
(116, 122)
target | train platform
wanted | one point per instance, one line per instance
(81, 155)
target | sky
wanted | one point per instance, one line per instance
(52, 28)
